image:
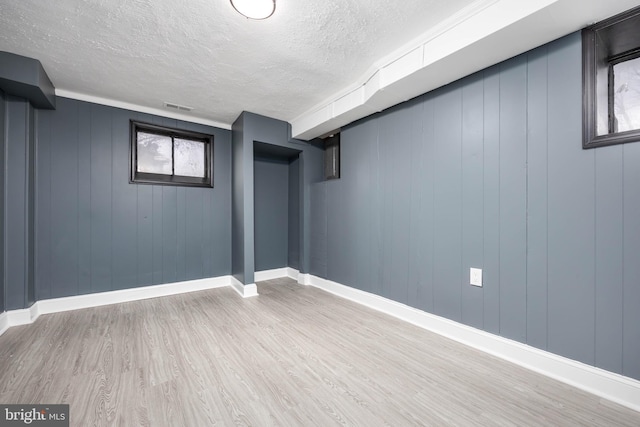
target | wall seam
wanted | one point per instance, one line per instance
(526, 206)
(622, 353)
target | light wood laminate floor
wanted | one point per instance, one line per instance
(293, 356)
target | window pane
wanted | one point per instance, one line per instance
(154, 153)
(189, 158)
(626, 94)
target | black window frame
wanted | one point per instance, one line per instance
(605, 44)
(136, 177)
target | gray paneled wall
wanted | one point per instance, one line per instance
(238, 200)
(489, 172)
(3, 110)
(247, 130)
(19, 211)
(96, 232)
(271, 212)
(294, 209)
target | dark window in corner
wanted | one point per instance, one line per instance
(161, 155)
(611, 81)
(332, 157)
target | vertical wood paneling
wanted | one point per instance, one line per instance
(537, 198)
(43, 208)
(194, 234)
(2, 198)
(377, 202)
(513, 198)
(16, 194)
(491, 182)
(360, 168)
(417, 226)
(571, 211)
(396, 135)
(498, 179)
(101, 195)
(207, 254)
(124, 206)
(318, 218)
(84, 200)
(387, 151)
(337, 250)
(472, 198)
(96, 232)
(293, 212)
(64, 202)
(609, 256)
(426, 231)
(220, 197)
(337, 192)
(631, 260)
(169, 234)
(271, 196)
(181, 230)
(157, 248)
(144, 233)
(144, 229)
(448, 204)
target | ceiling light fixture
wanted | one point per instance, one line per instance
(255, 9)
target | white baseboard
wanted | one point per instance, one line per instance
(301, 278)
(76, 302)
(245, 291)
(20, 317)
(4, 322)
(611, 386)
(276, 273)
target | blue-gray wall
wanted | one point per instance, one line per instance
(294, 209)
(96, 232)
(271, 212)
(3, 110)
(489, 172)
(238, 200)
(19, 167)
(252, 128)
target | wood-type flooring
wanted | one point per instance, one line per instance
(292, 356)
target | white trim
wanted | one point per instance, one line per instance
(4, 322)
(611, 386)
(276, 273)
(301, 278)
(304, 279)
(57, 305)
(19, 317)
(245, 291)
(76, 302)
(292, 273)
(139, 108)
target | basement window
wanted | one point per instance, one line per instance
(168, 156)
(611, 80)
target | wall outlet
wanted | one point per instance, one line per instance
(475, 276)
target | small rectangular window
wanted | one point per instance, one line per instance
(625, 94)
(162, 155)
(611, 81)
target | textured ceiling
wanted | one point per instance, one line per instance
(317, 64)
(203, 54)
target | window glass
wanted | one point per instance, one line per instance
(626, 95)
(154, 153)
(189, 158)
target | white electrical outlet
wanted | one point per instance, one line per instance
(475, 276)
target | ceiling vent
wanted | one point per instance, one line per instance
(177, 106)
